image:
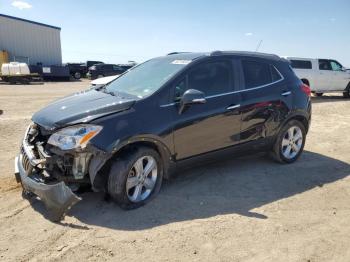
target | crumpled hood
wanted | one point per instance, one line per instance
(79, 108)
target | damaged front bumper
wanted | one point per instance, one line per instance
(58, 198)
(56, 195)
(50, 173)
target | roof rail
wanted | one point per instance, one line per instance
(217, 52)
(176, 53)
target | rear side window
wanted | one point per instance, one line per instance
(275, 74)
(301, 64)
(211, 78)
(256, 73)
(324, 64)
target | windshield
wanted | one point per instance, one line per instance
(144, 79)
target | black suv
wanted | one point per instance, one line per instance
(125, 137)
(102, 70)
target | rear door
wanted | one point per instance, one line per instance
(266, 99)
(216, 124)
(325, 78)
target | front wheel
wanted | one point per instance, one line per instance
(290, 142)
(135, 178)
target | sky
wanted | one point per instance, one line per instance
(118, 31)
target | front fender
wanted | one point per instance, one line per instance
(152, 140)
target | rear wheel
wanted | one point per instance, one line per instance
(135, 178)
(25, 81)
(290, 142)
(5, 79)
(77, 75)
(346, 93)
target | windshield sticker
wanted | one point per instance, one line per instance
(181, 62)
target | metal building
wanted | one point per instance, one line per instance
(29, 41)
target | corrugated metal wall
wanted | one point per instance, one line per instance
(22, 39)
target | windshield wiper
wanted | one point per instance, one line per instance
(108, 92)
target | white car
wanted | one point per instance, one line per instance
(103, 80)
(322, 75)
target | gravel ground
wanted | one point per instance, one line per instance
(247, 209)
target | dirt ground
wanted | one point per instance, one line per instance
(248, 209)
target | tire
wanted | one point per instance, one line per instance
(27, 195)
(280, 152)
(77, 75)
(319, 94)
(25, 81)
(5, 79)
(346, 93)
(123, 170)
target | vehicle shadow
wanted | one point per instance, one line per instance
(227, 187)
(329, 98)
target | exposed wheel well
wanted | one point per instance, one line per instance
(305, 81)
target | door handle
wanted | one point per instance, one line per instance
(233, 107)
(286, 93)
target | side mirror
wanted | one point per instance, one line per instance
(191, 97)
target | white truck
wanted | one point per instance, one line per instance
(322, 75)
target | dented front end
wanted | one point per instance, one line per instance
(53, 174)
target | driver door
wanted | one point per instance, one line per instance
(324, 81)
(341, 78)
(215, 124)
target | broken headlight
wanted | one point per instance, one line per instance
(74, 137)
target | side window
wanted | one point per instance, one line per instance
(324, 64)
(336, 66)
(180, 88)
(256, 73)
(117, 68)
(211, 78)
(301, 64)
(275, 74)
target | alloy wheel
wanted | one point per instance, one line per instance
(292, 142)
(141, 179)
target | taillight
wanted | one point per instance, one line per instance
(306, 89)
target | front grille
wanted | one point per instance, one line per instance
(25, 161)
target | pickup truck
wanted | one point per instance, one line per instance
(322, 75)
(78, 70)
